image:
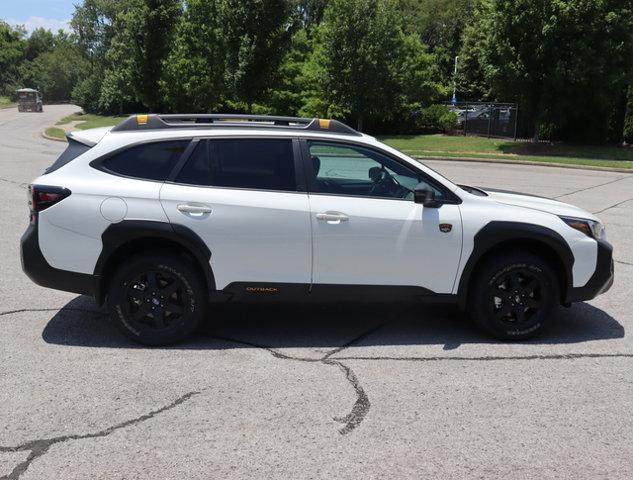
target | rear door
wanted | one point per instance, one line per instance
(244, 198)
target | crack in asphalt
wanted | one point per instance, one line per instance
(612, 206)
(593, 186)
(624, 263)
(62, 309)
(563, 356)
(19, 184)
(362, 404)
(39, 447)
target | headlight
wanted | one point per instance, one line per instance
(590, 228)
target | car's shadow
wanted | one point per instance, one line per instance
(327, 326)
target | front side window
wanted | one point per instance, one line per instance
(258, 164)
(339, 169)
(151, 161)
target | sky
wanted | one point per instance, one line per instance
(51, 14)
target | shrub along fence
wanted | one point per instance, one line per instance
(486, 119)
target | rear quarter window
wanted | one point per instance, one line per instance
(149, 161)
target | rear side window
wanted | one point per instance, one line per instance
(150, 161)
(258, 164)
(73, 150)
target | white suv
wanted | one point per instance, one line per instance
(163, 215)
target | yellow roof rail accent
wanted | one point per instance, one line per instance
(323, 123)
(142, 119)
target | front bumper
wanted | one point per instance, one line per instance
(37, 268)
(600, 281)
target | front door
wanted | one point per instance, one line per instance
(240, 196)
(367, 230)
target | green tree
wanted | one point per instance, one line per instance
(471, 80)
(94, 25)
(143, 35)
(565, 62)
(440, 25)
(256, 34)
(55, 71)
(288, 95)
(12, 51)
(40, 41)
(194, 70)
(365, 68)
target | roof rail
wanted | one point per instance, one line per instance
(154, 121)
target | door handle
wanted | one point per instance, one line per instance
(332, 217)
(194, 209)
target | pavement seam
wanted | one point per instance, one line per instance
(624, 263)
(593, 186)
(563, 356)
(38, 448)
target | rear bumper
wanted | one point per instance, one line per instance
(602, 278)
(39, 271)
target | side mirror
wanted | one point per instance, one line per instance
(425, 196)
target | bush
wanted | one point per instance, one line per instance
(438, 118)
(87, 92)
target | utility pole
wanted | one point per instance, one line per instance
(454, 99)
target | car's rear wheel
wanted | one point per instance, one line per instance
(157, 299)
(513, 296)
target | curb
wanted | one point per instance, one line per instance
(55, 139)
(527, 162)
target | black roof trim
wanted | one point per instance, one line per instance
(155, 121)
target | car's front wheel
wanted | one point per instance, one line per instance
(513, 295)
(157, 299)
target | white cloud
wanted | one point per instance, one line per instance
(31, 23)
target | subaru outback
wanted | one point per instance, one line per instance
(163, 216)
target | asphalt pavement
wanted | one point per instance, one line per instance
(318, 391)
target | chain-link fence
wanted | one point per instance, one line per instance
(487, 119)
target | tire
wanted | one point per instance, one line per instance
(513, 295)
(157, 299)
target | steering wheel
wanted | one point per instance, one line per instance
(384, 183)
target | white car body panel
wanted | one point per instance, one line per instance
(265, 236)
(385, 242)
(477, 212)
(254, 236)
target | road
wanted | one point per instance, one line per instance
(311, 392)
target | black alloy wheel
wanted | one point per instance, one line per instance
(516, 297)
(157, 298)
(513, 295)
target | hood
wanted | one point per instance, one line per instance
(537, 203)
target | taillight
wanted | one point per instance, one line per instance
(43, 196)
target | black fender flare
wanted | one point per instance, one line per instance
(117, 235)
(497, 233)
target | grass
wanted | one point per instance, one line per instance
(89, 120)
(56, 132)
(6, 102)
(490, 148)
